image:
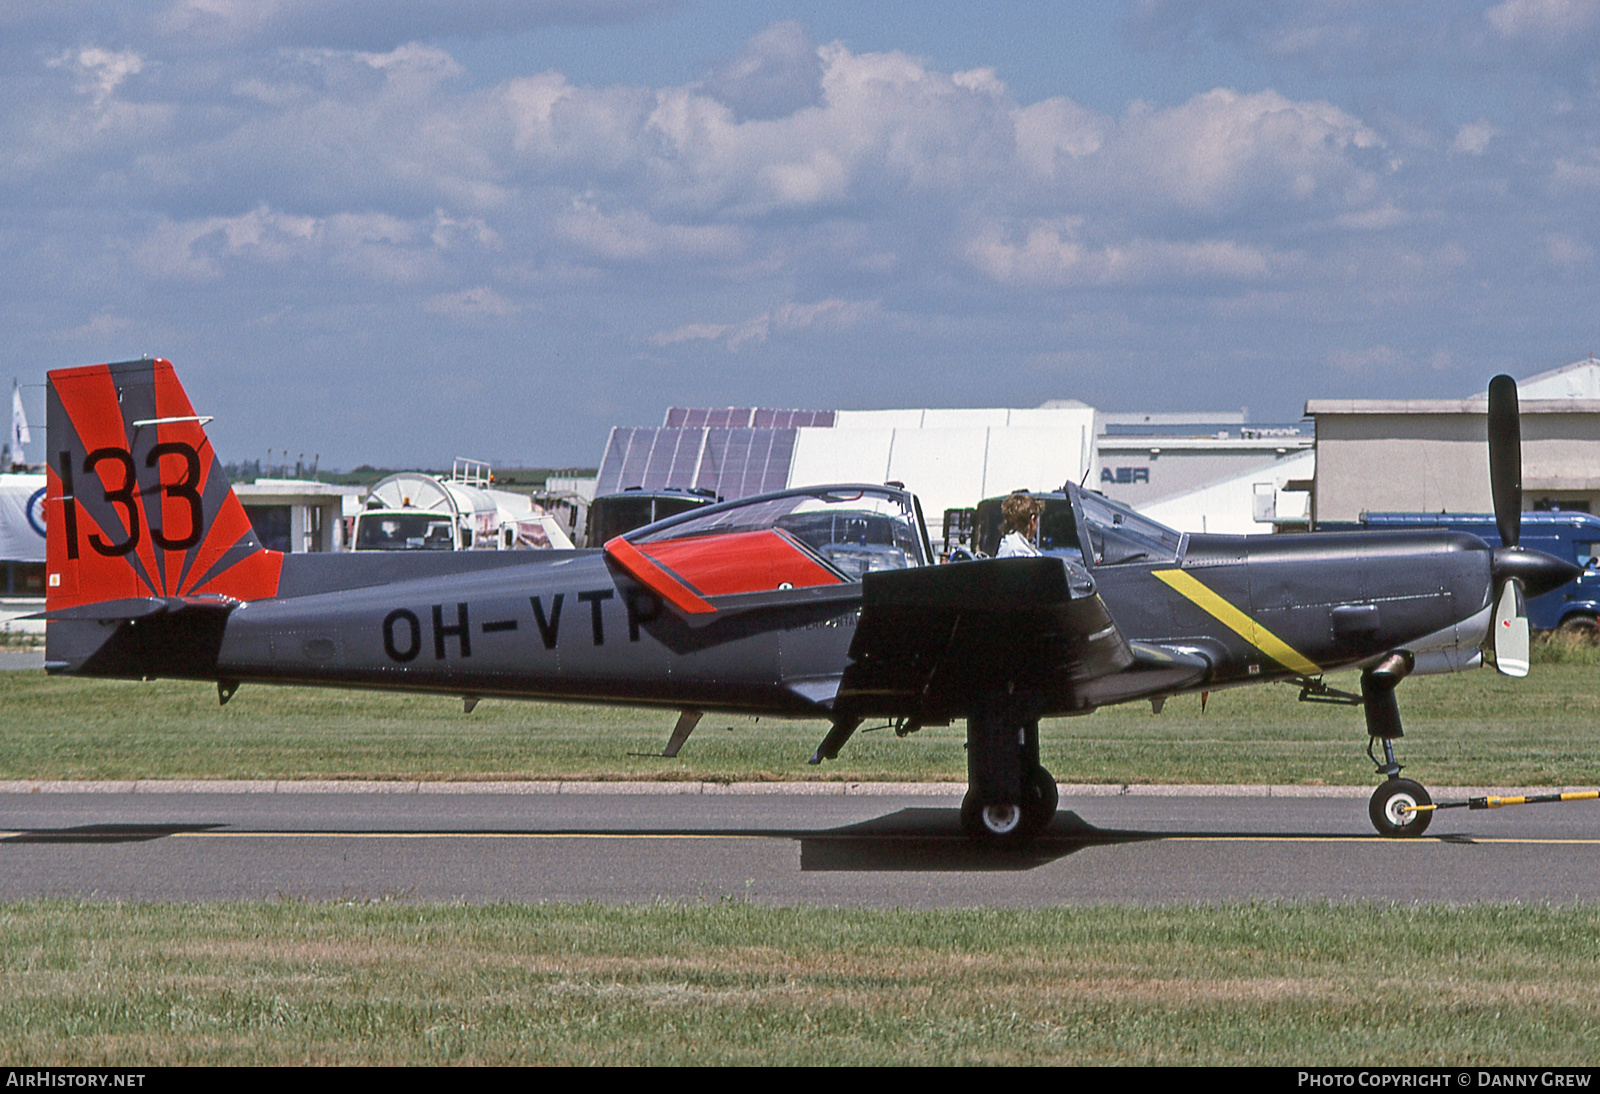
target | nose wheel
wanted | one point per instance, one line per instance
(1394, 809)
(1400, 808)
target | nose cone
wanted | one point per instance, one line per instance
(1538, 572)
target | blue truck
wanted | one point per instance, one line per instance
(1575, 607)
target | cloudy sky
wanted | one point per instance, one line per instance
(393, 231)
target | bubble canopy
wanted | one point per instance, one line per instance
(796, 539)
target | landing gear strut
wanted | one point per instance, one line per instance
(1393, 808)
(1010, 796)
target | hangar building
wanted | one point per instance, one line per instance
(1430, 455)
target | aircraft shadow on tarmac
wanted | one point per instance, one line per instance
(910, 839)
(931, 839)
(107, 833)
(916, 839)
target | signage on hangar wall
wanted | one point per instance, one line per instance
(1124, 476)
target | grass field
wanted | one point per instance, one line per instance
(1475, 728)
(740, 984)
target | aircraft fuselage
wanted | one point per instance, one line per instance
(574, 626)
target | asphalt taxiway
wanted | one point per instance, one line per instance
(879, 846)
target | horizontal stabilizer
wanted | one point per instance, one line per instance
(136, 607)
(139, 637)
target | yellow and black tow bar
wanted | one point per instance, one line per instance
(1490, 802)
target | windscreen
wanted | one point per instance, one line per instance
(1118, 535)
(402, 532)
(615, 516)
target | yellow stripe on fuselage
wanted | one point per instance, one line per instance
(1238, 622)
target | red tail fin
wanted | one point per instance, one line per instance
(137, 503)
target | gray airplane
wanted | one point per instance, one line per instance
(819, 602)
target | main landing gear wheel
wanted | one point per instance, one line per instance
(1006, 823)
(1039, 798)
(1392, 809)
(993, 823)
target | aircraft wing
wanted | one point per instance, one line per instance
(933, 640)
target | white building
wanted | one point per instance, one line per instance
(1265, 498)
(298, 516)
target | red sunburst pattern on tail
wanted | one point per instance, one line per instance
(137, 504)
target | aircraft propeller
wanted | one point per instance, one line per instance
(1510, 639)
(1517, 572)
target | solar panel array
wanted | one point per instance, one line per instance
(732, 417)
(734, 463)
(734, 452)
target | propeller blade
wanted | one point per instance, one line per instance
(1505, 458)
(1511, 631)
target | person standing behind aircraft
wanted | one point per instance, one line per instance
(1021, 516)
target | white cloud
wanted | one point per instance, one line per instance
(380, 247)
(887, 129)
(1544, 22)
(825, 315)
(1372, 361)
(1057, 129)
(1223, 147)
(832, 315)
(480, 302)
(1473, 138)
(691, 332)
(1050, 253)
(100, 71)
(630, 174)
(1566, 252)
(792, 157)
(982, 81)
(632, 236)
(1376, 219)
(777, 72)
(1579, 172)
(103, 326)
(450, 233)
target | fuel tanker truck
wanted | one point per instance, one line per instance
(414, 511)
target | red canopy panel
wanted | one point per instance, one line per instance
(684, 571)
